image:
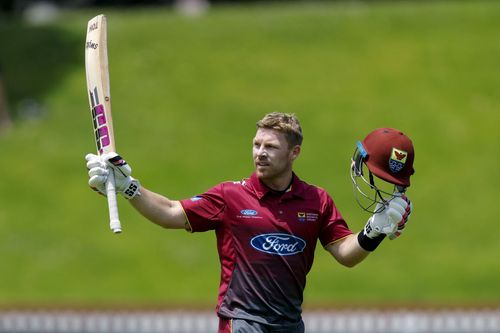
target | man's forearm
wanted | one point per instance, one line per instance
(159, 209)
(347, 251)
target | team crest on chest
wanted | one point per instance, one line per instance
(301, 216)
(307, 217)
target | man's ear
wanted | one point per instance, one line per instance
(295, 152)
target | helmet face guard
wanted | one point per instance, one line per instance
(371, 197)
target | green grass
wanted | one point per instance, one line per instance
(186, 94)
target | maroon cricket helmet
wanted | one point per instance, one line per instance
(389, 155)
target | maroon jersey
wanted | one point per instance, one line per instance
(266, 242)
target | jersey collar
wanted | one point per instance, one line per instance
(260, 189)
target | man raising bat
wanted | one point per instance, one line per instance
(267, 225)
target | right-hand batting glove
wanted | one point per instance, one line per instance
(99, 167)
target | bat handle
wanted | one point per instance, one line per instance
(114, 219)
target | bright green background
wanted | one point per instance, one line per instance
(186, 95)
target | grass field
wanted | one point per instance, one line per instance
(186, 95)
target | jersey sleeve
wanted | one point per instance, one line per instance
(333, 226)
(205, 211)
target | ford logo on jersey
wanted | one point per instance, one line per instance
(280, 244)
(248, 212)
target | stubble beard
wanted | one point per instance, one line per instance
(270, 175)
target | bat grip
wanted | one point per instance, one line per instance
(114, 219)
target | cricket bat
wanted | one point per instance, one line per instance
(96, 67)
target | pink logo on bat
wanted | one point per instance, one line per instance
(101, 131)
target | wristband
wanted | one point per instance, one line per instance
(369, 244)
(132, 190)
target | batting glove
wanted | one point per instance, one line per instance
(402, 223)
(391, 220)
(100, 166)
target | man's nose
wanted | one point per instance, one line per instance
(261, 152)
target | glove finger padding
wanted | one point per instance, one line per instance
(93, 160)
(408, 207)
(98, 173)
(98, 181)
(401, 206)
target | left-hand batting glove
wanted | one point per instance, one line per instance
(402, 223)
(99, 168)
(390, 221)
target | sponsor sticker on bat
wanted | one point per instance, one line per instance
(101, 131)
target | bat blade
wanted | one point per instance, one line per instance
(97, 72)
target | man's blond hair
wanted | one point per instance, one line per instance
(285, 123)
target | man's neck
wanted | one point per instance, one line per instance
(279, 185)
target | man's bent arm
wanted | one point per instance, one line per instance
(160, 210)
(347, 251)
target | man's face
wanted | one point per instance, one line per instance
(272, 155)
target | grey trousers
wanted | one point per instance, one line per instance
(247, 326)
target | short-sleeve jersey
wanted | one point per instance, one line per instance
(266, 242)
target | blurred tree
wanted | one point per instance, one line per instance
(4, 114)
(36, 60)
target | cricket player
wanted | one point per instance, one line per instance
(267, 225)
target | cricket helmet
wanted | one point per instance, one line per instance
(388, 154)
